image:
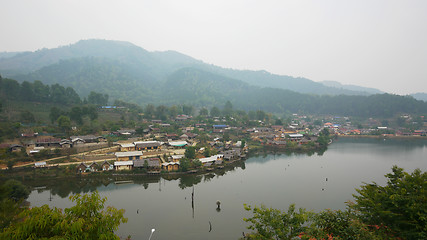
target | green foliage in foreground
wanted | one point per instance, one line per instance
(395, 211)
(12, 194)
(86, 220)
(401, 205)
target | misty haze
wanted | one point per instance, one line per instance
(213, 120)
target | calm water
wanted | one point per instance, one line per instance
(273, 180)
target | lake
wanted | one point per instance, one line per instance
(314, 182)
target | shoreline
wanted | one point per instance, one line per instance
(382, 136)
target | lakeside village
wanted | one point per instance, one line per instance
(196, 146)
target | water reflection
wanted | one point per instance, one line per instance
(184, 207)
(85, 184)
(64, 187)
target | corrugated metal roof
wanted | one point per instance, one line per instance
(170, 163)
(125, 145)
(152, 162)
(38, 164)
(123, 163)
(296, 135)
(128, 154)
(211, 158)
(147, 144)
(178, 143)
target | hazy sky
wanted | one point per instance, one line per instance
(372, 43)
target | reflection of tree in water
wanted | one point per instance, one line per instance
(243, 166)
(189, 180)
(63, 187)
(208, 177)
(264, 157)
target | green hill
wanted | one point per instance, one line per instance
(152, 66)
(127, 72)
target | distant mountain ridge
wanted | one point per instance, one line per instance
(351, 87)
(131, 73)
(160, 64)
(420, 96)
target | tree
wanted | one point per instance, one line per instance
(203, 112)
(57, 94)
(207, 152)
(173, 111)
(215, 112)
(329, 224)
(149, 111)
(243, 144)
(401, 205)
(41, 91)
(260, 115)
(92, 113)
(161, 112)
(15, 190)
(228, 108)
(10, 164)
(76, 115)
(190, 152)
(97, 98)
(27, 117)
(278, 122)
(72, 97)
(12, 193)
(187, 109)
(184, 164)
(64, 123)
(197, 163)
(226, 137)
(54, 114)
(270, 223)
(86, 220)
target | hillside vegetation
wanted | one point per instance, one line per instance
(148, 66)
(199, 88)
(129, 73)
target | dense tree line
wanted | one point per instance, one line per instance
(193, 86)
(37, 92)
(378, 105)
(97, 98)
(192, 89)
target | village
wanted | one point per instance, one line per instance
(186, 145)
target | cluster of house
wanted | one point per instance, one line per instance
(280, 136)
(35, 143)
(133, 159)
(131, 156)
(339, 129)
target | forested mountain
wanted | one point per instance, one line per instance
(155, 65)
(200, 88)
(130, 73)
(121, 81)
